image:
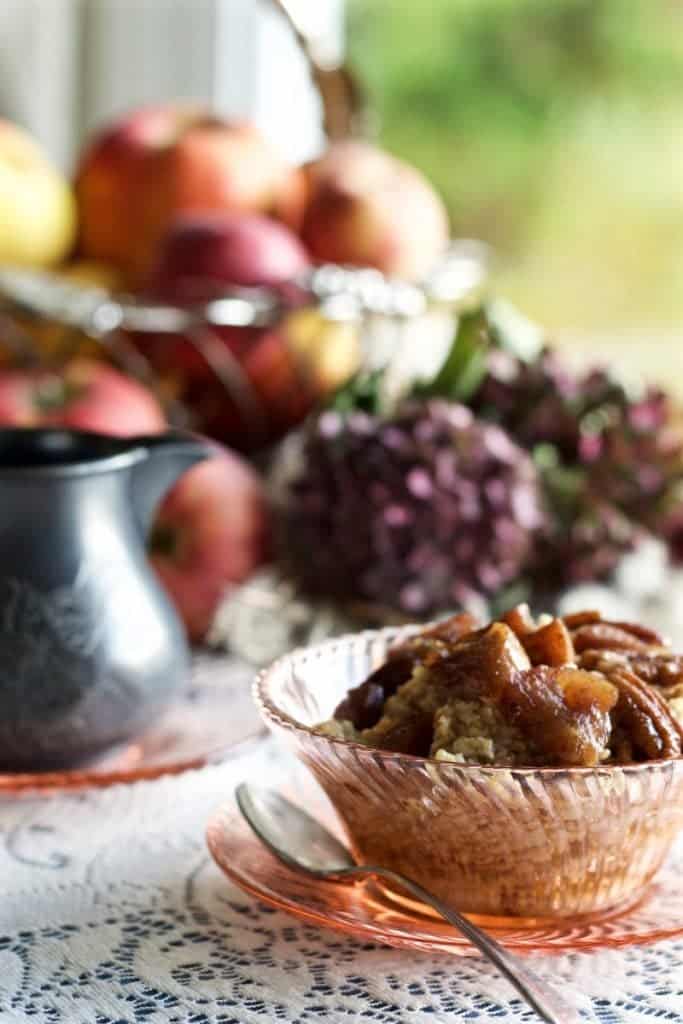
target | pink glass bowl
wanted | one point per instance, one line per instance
(534, 844)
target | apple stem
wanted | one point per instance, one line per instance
(163, 540)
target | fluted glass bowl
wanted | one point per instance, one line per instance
(524, 843)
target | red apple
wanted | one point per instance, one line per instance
(201, 254)
(199, 257)
(367, 208)
(156, 162)
(210, 533)
(84, 395)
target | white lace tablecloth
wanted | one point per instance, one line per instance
(111, 912)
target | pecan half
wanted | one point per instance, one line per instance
(651, 637)
(603, 661)
(609, 636)
(576, 619)
(644, 717)
(663, 668)
(644, 633)
(673, 693)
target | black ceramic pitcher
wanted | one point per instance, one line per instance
(90, 647)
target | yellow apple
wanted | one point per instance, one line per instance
(37, 207)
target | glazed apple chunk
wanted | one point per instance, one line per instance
(569, 692)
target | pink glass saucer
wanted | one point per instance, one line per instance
(213, 721)
(368, 912)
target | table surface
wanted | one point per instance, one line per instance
(111, 912)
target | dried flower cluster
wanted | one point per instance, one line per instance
(419, 511)
(502, 470)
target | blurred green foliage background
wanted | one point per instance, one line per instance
(554, 129)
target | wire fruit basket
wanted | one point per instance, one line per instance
(321, 329)
(248, 365)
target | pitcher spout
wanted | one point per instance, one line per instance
(169, 455)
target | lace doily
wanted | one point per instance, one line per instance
(111, 912)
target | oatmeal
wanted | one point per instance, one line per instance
(575, 691)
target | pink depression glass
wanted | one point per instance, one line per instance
(530, 843)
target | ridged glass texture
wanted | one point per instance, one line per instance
(530, 843)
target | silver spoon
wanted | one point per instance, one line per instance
(303, 844)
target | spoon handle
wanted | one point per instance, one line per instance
(545, 1000)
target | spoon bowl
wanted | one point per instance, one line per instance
(296, 838)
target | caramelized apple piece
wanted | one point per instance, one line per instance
(512, 690)
(564, 712)
(482, 664)
(363, 705)
(520, 620)
(549, 645)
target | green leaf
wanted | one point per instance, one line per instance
(362, 392)
(465, 364)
